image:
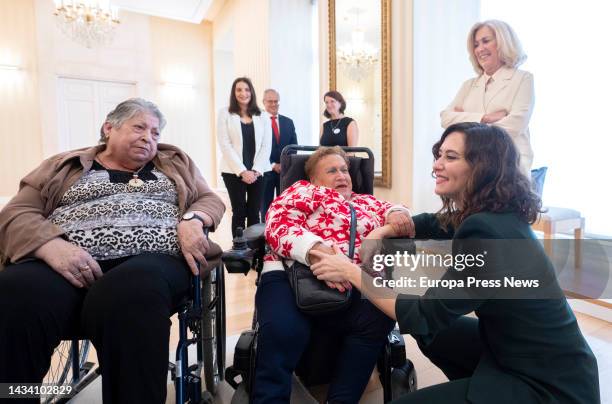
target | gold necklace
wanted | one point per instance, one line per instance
(135, 181)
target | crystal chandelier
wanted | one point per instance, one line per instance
(89, 22)
(358, 58)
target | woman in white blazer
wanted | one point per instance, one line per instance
(501, 94)
(245, 146)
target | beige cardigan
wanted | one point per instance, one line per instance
(23, 221)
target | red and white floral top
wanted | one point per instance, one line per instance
(305, 214)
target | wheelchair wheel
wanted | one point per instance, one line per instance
(60, 371)
(213, 328)
(403, 380)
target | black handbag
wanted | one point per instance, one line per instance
(314, 297)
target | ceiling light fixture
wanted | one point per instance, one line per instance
(89, 22)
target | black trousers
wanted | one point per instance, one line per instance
(126, 315)
(456, 351)
(245, 199)
(271, 189)
(284, 333)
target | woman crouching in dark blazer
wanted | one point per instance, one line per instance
(524, 346)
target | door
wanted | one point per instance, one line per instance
(83, 106)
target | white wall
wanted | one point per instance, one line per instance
(20, 140)
(292, 62)
(441, 65)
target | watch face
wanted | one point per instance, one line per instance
(188, 216)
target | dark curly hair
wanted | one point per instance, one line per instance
(234, 107)
(496, 183)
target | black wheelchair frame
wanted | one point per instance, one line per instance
(397, 373)
(202, 314)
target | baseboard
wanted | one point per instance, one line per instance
(596, 308)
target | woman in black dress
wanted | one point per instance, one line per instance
(339, 130)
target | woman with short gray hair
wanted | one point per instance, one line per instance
(129, 109)
(501, 94)
(100, 243)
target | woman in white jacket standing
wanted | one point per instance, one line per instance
(501, 94)
(245, 146)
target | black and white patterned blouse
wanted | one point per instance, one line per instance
(110, 219)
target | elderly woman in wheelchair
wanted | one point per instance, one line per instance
(316, 216)
(100, 242)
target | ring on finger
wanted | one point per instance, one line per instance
(85, 268)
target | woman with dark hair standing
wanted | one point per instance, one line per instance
(245, 146)
(524, 345)
(339, 130)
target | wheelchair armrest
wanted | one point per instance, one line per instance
(255, 236)
(248, 249)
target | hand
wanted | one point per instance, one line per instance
(458, 109)
(336, 268)
(402, 223)
(248, 177)
(193, 243)
(75, 264)
(341, 286)
(319, 247)
(368, 250)
(381, 232)
(276, 168)
(494, 116)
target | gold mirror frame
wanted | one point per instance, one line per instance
(384, 178)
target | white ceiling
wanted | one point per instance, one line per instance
(183, 10)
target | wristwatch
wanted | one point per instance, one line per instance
(191, 216)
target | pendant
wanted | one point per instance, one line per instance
(336, 131)
(136, 183)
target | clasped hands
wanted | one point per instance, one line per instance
(249, 176)
(329, 264)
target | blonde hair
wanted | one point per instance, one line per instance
(509, 47)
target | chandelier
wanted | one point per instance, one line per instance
(358, 58)
(89, 22)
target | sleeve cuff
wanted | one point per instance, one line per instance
(397, 208)
(302, 245)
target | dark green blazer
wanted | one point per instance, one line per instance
(533, 348)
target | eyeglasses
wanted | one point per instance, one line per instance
(271, 101)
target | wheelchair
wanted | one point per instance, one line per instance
(397, 374)
(201, 323)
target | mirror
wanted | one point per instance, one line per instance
(360, 68)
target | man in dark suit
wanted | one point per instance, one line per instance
(283, 134)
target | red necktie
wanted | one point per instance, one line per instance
(275, 129)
